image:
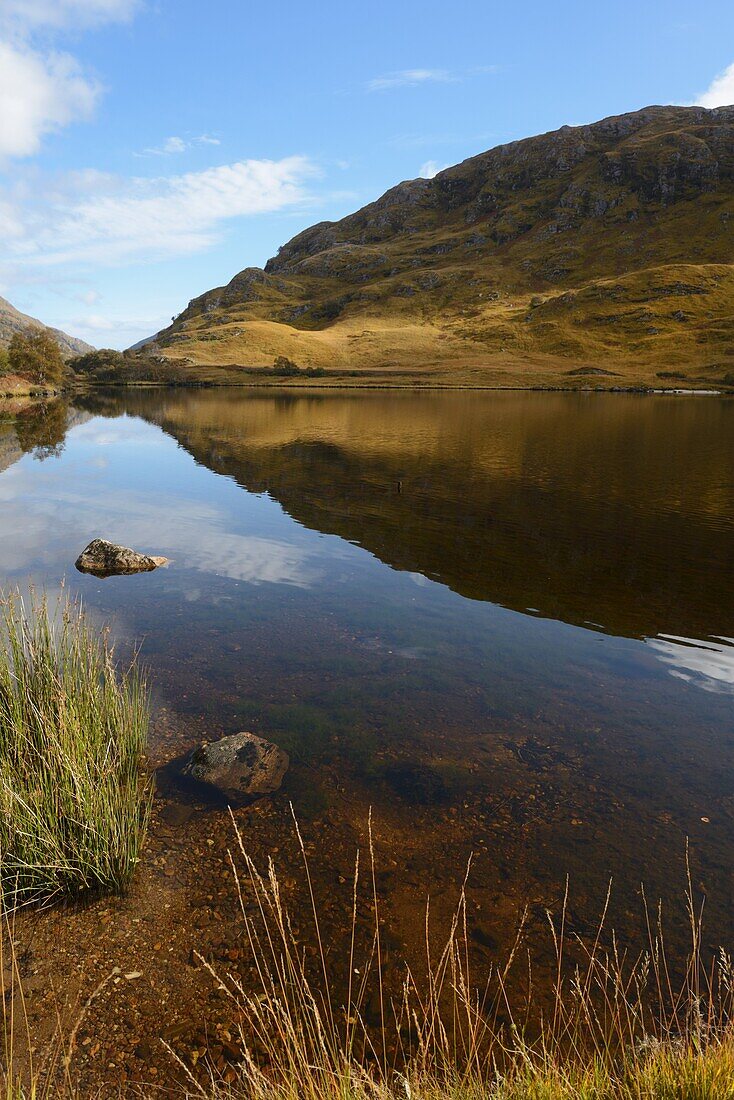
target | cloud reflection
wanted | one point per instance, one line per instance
(708, 665)
(193, 533)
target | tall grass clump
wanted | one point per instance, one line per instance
(74, 800)
(618, 1025)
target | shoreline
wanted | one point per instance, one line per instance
(252, 381)
(428, 387)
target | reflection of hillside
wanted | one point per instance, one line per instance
(611, 510)
(39, 427)
(10, 449)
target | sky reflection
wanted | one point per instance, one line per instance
(148, 495)
(708, 665)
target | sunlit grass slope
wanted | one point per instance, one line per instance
(602, 248)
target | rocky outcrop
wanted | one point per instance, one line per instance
(239, 767)
(105, 559)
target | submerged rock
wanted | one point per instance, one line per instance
(239, 766)
(417, 783)
(105, 559)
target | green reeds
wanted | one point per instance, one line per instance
(74, 800)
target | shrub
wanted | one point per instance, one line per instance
(107, 366)
(105, 359)
(35, 356)
(285, 366)
(73, 800)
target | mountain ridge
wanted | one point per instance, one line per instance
(606, 245)
(12, 321)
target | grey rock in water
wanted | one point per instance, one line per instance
(105, 559)
(240, 766)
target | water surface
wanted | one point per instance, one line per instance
(503, 621)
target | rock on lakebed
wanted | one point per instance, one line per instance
(105, 559)
(241, 766)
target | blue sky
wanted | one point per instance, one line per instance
(150, 149)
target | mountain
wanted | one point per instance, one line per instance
(12, 321)
(599, 252)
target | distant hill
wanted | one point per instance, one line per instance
(594, 254)
(12, 321)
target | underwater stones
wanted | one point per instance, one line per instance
(417, 783)
(241, 766)
(105, 559)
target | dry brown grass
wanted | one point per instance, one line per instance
(665, 327)
(617, 1027)
(515, 268)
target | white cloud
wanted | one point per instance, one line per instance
(11, 225)
(31, 14)
(431, 168)
(105, 330)
(178, 145)
(89, 297)
(115, 220)
(407, 78)
(96, 322)
(174, 145)
(39, 94)
(42, 90)
(720, 92)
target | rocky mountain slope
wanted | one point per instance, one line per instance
(597, 252)
(12, 321)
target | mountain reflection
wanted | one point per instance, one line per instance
(612, 511)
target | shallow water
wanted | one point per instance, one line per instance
(504, 621)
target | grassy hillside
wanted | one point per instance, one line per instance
(12, 321)
(596, 254)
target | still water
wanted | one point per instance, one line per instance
(503, 621)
